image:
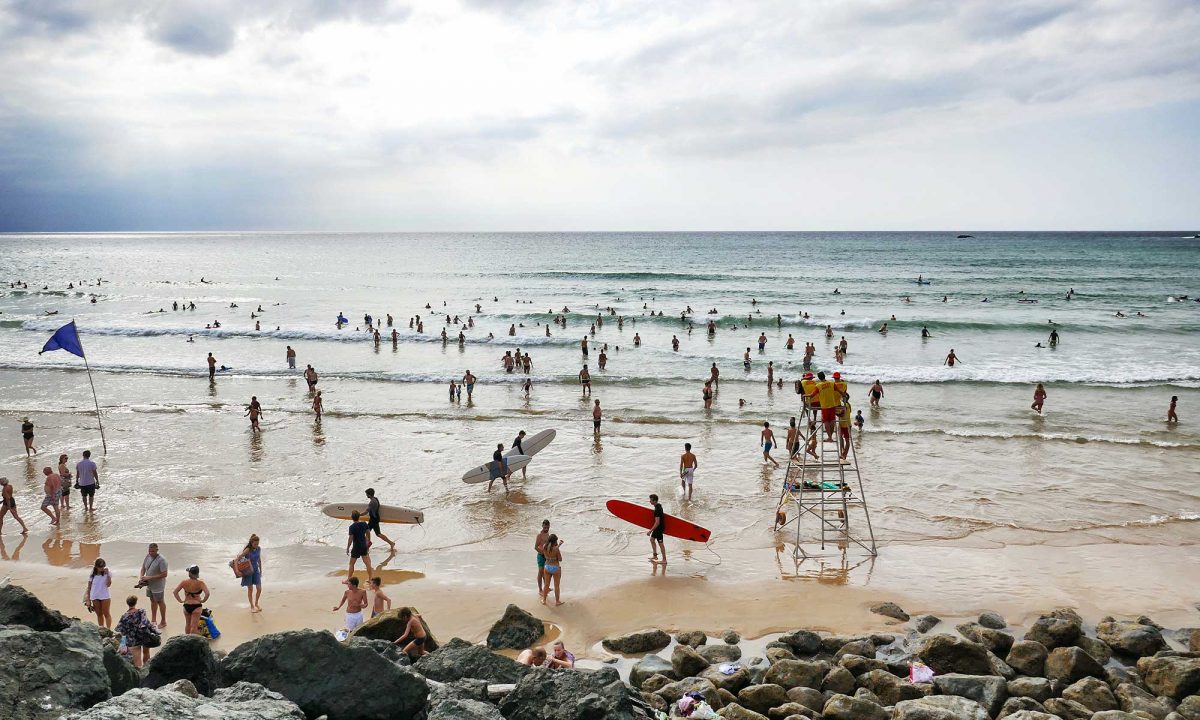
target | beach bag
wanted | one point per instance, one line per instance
(153, 636)
(241, 566)
(919, 672)
(208, 627)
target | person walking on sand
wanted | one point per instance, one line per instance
(355, 600)
(291, 358)
(553, 552)
(373, 518)
(27, 436)
(767, 439)
(8, 504)
(153, 577)
(951, 358)
(251, 553)
(358, 544)
(655, 533)
(585, 379)
(212, 367)
(53, 490)
(195, 594)
(469, 381)
(87, 476)
(414, 637)
(380, 602)
(596, 418)
(96, 596)
(687, 470)
(539, 546)
(1039, 398)
(254, 412)
(875, 393)
(1171, 416)
(310, 376)
(64, 472)
(318, 405)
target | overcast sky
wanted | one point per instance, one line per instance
(543, 115)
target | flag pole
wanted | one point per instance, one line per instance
(103, 442)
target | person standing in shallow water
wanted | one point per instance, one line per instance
(252, 580)
(767, 438)
(1039, 398)
(8, 505)
(27, 436)
(655, 533)
(553, 552)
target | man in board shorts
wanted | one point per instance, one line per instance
(539, 543)
(358, 545)
(687, 469)
(373, 518)
(656, 532)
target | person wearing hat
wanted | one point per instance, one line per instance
(840, 385)
(826, 394)
(27, 434)
(807, 387)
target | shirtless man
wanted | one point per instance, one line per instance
(518, 442)
(762, 342)
(310, 376)
(951, 358)
(53, 488)
(539, 543)
(603, 359)
(585, 379)
(469, 381)
(291, 358)
(373, 518)
(355, 599)
(318, 405)
(584, 345)
(746, 359)
(714, 376)
(9, 505)
(767, 438)
(687, 469)
(414, 633)
(793, 439)
(212, 367)
(254, 410)
(381, 602)
(596, 417)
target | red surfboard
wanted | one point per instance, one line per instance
(643, 516)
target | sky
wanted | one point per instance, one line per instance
(374, 115)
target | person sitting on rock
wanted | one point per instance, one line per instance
(414, 633)
(533, 657)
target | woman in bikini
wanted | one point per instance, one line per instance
(553, 552)
(195, 593)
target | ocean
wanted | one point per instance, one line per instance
(954, 457)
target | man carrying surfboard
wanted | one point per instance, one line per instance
(373, 518)
(656, 532)
(516, 445)
(687, 469)
(498, 468)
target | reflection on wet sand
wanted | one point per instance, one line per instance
(15, 556)
(62, 552)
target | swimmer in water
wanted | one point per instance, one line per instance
(950, 359)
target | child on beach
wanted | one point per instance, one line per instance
(381, 601)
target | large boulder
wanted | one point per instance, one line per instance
(733, 683)
(733, 711)
(1031, 715)
(999, 667)
(995, 640)
(925, 623)
(1017, 704)
(654, 683)
(1189, 707)
(570, 695)
(387, 625)
(809, 698)
(515, 630)
(1092, 693)
(185, 657)
(992, 620)
(844, 707)
(324, 677)
(122, 675)
(857, 664)
(43, 674)
(1133, 699)
(939, 707)
(1030, 687)
(862, 648)
(891, 689)
(464, 689)
(678, 689)
(686, 661)
(1058, 629)
(1067, 709)
(716, 654)
(642, 641)
(890, 609)
(791, 710)
(649, 666)
(802, 642)
(796, 673)
(1068, 664)
(838, 681)
(694, 638)
(18, 606)
(1175, 677)
(1130, 638)
(459, 659)
(761, 698)
(244, 701)
(987, 690)
(949, 654)
(464, 710)
(1028, 657)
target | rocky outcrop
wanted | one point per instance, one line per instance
(1092, 693)
(949, 654)
(796, 673)
(244, 701)
(515, 630)
(802, 642)
(1130, 638)
(185, 657)
(1175, 677)
(325, 677)
(761, 698)
(844, 707)
(925, 623)
(716, 654)
(459, 659)
(642, 641)
(839, 681)
(891, 689)
(1058, 629)
(694, 638)
(687, 662)
(122, 675)
(1069, 664)
(890, 609)
(987, 690)
(464, 710)
(1028, 657)
(1133, 699)
(649, 666)
(18, 606)
(992, 620)
(997, 641)
(1030, 687)
(43, 674)
(570, 695)
(939, 707)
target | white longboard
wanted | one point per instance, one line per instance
(387, 513)
(483, 473)
(533, 444)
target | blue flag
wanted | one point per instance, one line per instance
(65, 338)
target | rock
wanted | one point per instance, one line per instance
(716, 654)
(802, 642)
(761, 698)
(1115, 715)
(1189, 707)
(18, 606)
(939, 707)
(185, 657)
(995, 640)
(655, 702)
(694, 638)
(891, 689)
(1068, 664)
(1133, 699)
(839, 680)
(1067, 709)
(164, 704)
(864, 694)
(387, 625)
(1175, 677)
(324, 677)
(654, 683)
(731, 637)
(733, 683)
(734, 711)
(757, 666)
(948, 654)
(1194, 640)
(796, 673)
(461, 659)
(464, 710)
(925, 623)
(780, 652)
(833, 643)
(678, 689)
(1031, 715)
(1028, 657)
(808, 697)
(1035, 688)
(384, 648)
(987, 690)
(862, 648)
(790, 709)
(890, 609)
(1054, 631)
(642, 641)
(42, 674)
(727, 698)
(1017, 704)
(122, 675)
(1131, 639)
(1116, 674)
(515, 630)
(569, 695)
(464, 689)
(648, 666)
(1091, 693)
(844, 707)
(999, 667)
(1098, 649)
(242, 692)
(857, 664)
(686, 661)
(992, 620)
